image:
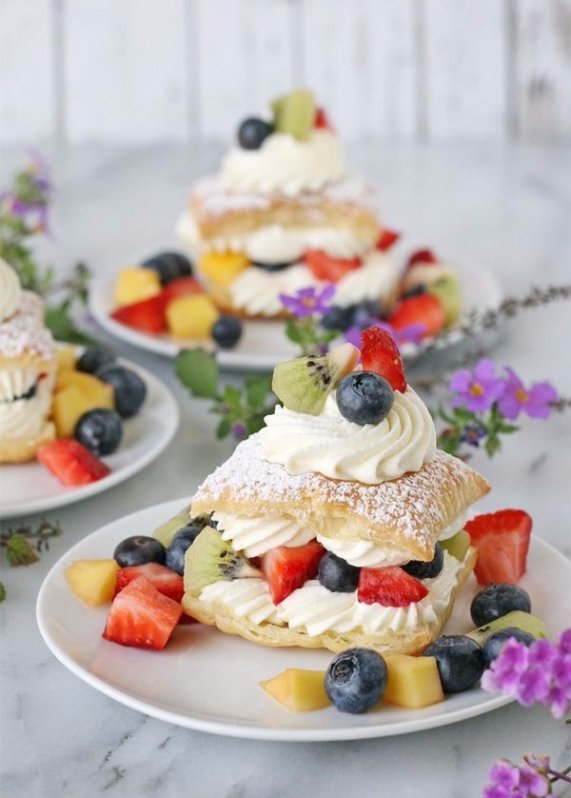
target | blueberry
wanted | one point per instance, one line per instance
(365, 312)
(169, 266)
(226, 331)
(496, 600)
(253, 132)
(426, 570)
(336, 574)
(272, 267)
(94, 358)
(138, 550)
(416, 290)
(459, 659)
(128, 388)
(364, 397)
(100, 431)
(495, 642)
(338, 318)
(182, 541)
(356, 679)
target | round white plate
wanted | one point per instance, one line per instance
(29, 488)
(263, 343)
(208, 681)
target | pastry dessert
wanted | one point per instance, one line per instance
(27, 371)
(339, 524)
(284, 213)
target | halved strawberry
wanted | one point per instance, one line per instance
(141, 616)
(289, 567)
(387, 238)
(321, 120)
(70, 462)
(147, 315)
(379, 353)
(423, 309)
(391, 587)
(182, 286)
(502, 541)
(324, 267)
(421, 256)
(167, 581)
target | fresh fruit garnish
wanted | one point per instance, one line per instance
(288, 567)
(390, 586)
(92, 581)
(179, 545)
(71, 463)
(459, 659)
(141, 616)
(253, 132)
(211, 559)
(379, 353)
(337, 574)
(321, 122)
(66, 358)
(294, 113)
(129, 390)
(423, 309)
(421, 256)
(191, 316)
(147, 316)
(364, 397)
(100, 431)
(134, 285)
(75, 394)
(412, 682)
(182, 286)
(222, 268)
(496, 600)
(304, 384)
(387, 238)
(502, 540)
(338, 318)
(169, 266)
(457, 545)
(355, 680)
(164, 579)
(298, 690)
(94, 358)
(496, 641)
(426, 570)
(226, 331)
(324, 267)
(522, 620)
(139, 549)
(447, 290)
(166, 531)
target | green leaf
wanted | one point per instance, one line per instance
(223, 428)
(462, 415)
(63, 327)
(293, 332)
(449, 441)
(232, 397)
(19, 551)
(198, 371)
(2, 593)
(492, 445)
(257, 390)
(255, 422)
(507, 428)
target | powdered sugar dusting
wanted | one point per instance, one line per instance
(25, 332)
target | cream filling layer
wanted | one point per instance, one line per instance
(256, 536)
(25, 418)
(16, 382)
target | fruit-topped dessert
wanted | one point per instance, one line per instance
(340, 523)
(284, 213)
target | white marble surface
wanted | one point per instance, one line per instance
(507, 208)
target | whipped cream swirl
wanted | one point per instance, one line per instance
(284, 164)
(10, 291)
(340, 449)
(24, 418)
(257, 535)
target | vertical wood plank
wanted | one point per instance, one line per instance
(465, 69)
(125, 70)
(543, 69)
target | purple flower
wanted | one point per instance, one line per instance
(535, 401)
(238, 430)
(308, 301)
(510, 781)
(472, 433)
(477, 390)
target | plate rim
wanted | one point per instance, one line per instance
(241, 730)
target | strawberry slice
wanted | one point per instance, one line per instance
(71, 463)
(387, 238)
(421, 256)
(391, 587)
(289, 567)
(502, 541)
(147, 315)
(167, 581)
(423, 309)
(182, 286)
(321, 121)
(379, 353)
(141, 616)
(324, 267)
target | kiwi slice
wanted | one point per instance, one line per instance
(166, 531)
(211, 559)
(294, 113)
(521, 620)
(447, 290)
(457, 545)
(303, 384)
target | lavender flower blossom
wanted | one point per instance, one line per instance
(308, 301)
(535, 401)
(477, 390)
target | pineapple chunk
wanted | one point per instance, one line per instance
(66, 358)
(92, 581)
(87, 384)
(191, 316)
(72, 402)
(136, 284)
(222, 268)
(412, 682)
(298, 690)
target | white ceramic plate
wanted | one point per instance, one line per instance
(208, 681)
(29, 488)
(263, 343)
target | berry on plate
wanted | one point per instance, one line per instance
(141, 616)
(169, 266)
(421, 256)
(181, 541)
(71, 463)
(182, 286)
(387, 239)
(355, 680)
(364, 397)
(379, 353)
(139, 549)
(94, 358)
(99, 430)
(460, 661)
(336, 574)
(253, 132)
(324, 267)
(147, 316)
(226, 331)
(129, 390)
(164, 579)
(423, 309)
(496, 600)
(502, 540)
(496, 641)
(289, 567)
(390, 586)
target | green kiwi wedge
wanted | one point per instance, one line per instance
(294, 113)
(521, 620)
(211, 559)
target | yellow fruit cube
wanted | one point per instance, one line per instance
(92, 581)
(412, 682)
(71, 402)
(222, 268)
(87, 383)
(135, 284)
(298, 690)
(66, 358)
(191, 316)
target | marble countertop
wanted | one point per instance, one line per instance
(506, 207)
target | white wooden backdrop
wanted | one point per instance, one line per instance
(136, 71)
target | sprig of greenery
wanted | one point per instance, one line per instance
(25, 543)
(308, 334)
(473, 429)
